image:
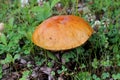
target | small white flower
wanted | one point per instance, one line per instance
(90, 17)
(39, 0)
(96, 25)
(24, 3)
(97, 22)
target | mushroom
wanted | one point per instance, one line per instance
(62, 33)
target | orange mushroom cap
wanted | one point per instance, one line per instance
(62, 33)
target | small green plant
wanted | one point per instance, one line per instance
(25, 75)
(105, 75)
(95, 63)
(82, 76)
(116, 76)
(63, 70)
(9, 59)
(95, 77)
(1, 71)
